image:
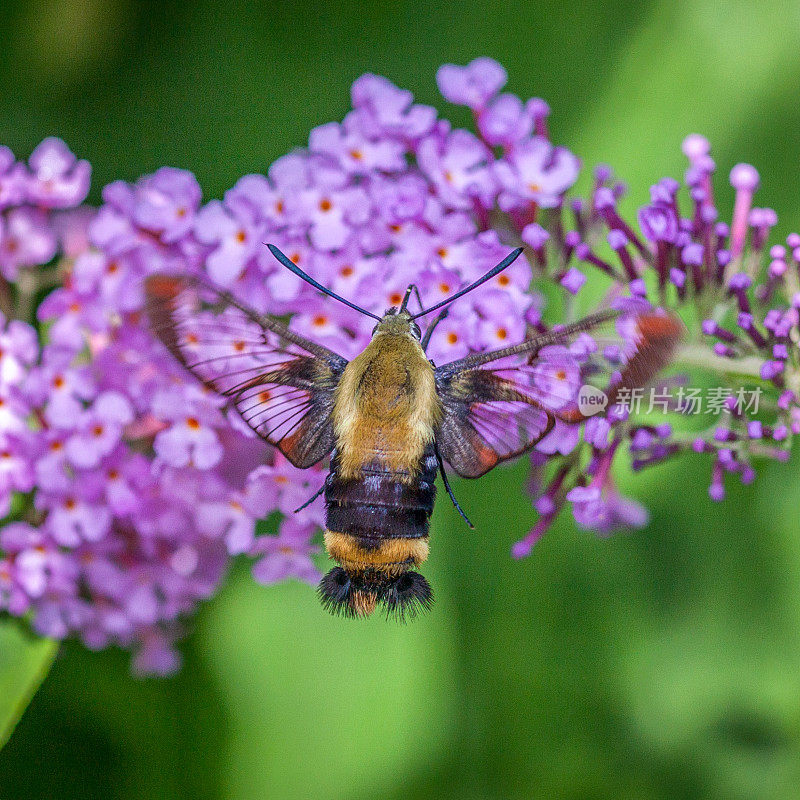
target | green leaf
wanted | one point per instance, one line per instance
(24, 662)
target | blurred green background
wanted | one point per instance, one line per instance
(659, 664)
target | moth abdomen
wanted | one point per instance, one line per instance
(377, 529)
(378, 522)
(381, 487)
(381, 503)
(389, 556)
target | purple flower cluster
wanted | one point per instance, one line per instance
(127, 487)
(740, 300)
(30, 197)
(744, 297)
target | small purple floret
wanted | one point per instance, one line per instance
(744, 177)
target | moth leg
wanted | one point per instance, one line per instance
(447, 487)
(311, 499)
(429, 332)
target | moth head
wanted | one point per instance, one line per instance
(397, 323)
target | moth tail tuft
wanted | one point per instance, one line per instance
(407, 596)
(339, 595)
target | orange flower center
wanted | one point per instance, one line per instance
(502, 333)
(241, 236)
(193, 423)
(452, 337)
(325, 205)
(503, 280)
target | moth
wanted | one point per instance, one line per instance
(390, 419)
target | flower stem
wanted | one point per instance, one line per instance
(697, 355)
(6, 301)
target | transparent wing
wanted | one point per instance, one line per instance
(281, 383)
(499, 404)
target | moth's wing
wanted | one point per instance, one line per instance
(281, 383)
(499, 404)
(487, 419)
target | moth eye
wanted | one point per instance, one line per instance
(374, 330)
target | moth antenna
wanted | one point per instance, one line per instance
(292, 267)
(507, 261)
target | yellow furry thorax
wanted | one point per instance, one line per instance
(386, 409)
